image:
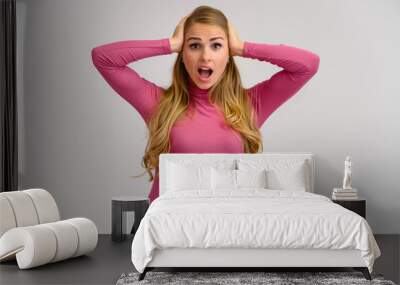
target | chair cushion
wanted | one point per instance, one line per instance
(45, 205)
(7, 215)
(46, 243)
(27, 208)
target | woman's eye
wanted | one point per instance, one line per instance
(192, 45)
(195, 46)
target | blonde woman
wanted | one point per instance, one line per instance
(205, 109)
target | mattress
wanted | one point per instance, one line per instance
(250, 218)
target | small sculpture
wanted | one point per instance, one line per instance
(347, 173)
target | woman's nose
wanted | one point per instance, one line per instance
(206, 54)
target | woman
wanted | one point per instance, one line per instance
(206, 109)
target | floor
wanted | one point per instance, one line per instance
(111, 259)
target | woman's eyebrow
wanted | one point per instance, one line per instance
(212, 39)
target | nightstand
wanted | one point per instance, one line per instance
(358, 206)
(121, 204)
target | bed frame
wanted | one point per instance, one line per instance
(240, 258)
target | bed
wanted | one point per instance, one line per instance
(248, 210)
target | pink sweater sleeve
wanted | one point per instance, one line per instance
(111, 61)
(298, 65)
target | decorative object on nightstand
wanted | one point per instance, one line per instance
(358, 206)
(347, 173)
(344, 194)
(121, 204)
(347, 192)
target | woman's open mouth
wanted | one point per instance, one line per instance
(204, 73)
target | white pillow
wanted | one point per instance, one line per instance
(291, 178)
(251, 178)
(237, 179)
(282, 174)
(223, 179)
(183, 177)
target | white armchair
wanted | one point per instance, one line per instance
(31, 231)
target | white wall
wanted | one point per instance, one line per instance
(81, 141)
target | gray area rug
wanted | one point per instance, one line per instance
(284, 278)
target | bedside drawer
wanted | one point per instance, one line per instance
(357, 206)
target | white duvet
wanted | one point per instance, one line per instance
(250, 218)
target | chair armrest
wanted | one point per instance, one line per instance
(46, 243)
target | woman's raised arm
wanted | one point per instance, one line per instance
(298, 65)
(111, 61)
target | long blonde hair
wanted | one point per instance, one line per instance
(227, 94)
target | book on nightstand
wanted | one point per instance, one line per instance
(344, 194)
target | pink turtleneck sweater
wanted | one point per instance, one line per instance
(206, 131)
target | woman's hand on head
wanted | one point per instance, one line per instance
(176, 41)
(235, 44)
